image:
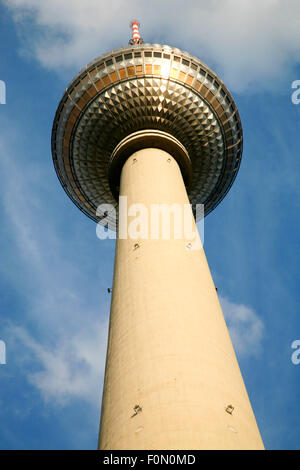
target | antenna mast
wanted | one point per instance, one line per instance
(136, 37)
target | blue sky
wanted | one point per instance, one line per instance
(54, 271)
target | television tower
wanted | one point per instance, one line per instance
(155, 124)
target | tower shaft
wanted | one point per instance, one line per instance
(171, 371)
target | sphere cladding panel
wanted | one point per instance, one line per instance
(145, 87)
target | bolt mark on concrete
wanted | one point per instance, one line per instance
(137, 409)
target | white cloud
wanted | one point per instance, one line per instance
(252, 43)
(245, 328)
(71, 367)
(61, 346)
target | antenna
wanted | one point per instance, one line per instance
(136, 37)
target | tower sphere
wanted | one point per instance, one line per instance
(146, 87)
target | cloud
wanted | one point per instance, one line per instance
(72, 367)
(245, 328)
(61, 345)
(252, 44)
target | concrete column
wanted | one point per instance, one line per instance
(171, 370)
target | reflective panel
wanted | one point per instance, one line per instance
(140, 87)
